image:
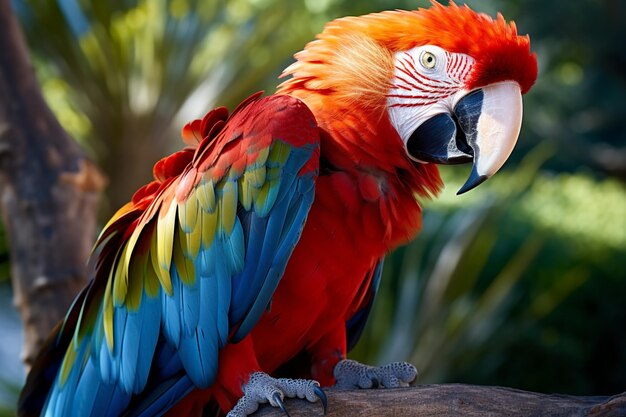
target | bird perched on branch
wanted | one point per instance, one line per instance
(256, 252)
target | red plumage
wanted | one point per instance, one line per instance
(365, 202)
(365, 195)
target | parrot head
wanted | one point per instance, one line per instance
(448, 80)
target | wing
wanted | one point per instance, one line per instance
(356, 324)
(192, 262)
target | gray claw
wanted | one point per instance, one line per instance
(262, 388)
(280, 403)
(322, 396)
(351, 374)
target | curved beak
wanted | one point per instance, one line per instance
(483, 128)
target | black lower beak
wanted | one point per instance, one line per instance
(482, 128)
(448, 139)
(468, 111)
(436, 140)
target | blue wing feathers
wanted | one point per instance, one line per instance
(224, 291)
(235, 248)
(147, 343)
(101, 399)
(119, 320)
(91, 398)
(171, 315)
(188, 305)
(171, 343)
(292, 234)
(130, 335)
(162, 397)
(168, 384)
(282, 251)
(85, 394)
(260, 304)
(198, 351)
(242, 281)
(105, 364)
(263, 208)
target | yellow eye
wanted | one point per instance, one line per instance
(428, 60)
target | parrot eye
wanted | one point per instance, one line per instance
(428, 60)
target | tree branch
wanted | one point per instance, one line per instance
(452, 400)
(49, 194)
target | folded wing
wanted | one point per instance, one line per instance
(188, 266)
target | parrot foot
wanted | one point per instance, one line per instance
(262, 388)
(352, 374)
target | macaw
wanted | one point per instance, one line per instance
(256, 252)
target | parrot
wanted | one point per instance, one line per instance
(246, 270)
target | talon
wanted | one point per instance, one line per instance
(262, 388)
(323, 398)
(351, 374)
(280, 403)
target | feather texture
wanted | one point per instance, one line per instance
(238, 257)
(167, 263)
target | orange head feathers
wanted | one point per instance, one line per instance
(442, 85)
(499, 52)
(358, 51)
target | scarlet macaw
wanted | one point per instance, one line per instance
(257, 250)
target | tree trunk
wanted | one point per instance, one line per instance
(452, 400)
(49, 194)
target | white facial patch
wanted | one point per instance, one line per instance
(426, 82)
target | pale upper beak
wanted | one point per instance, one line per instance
(483, 127)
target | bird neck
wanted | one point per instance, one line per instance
(361, 145)
(361, 138)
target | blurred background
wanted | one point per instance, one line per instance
(521, 282)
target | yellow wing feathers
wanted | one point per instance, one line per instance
(174, 236)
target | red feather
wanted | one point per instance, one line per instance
(365, 197)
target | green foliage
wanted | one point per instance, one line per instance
(125, 76)
(576, 207)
